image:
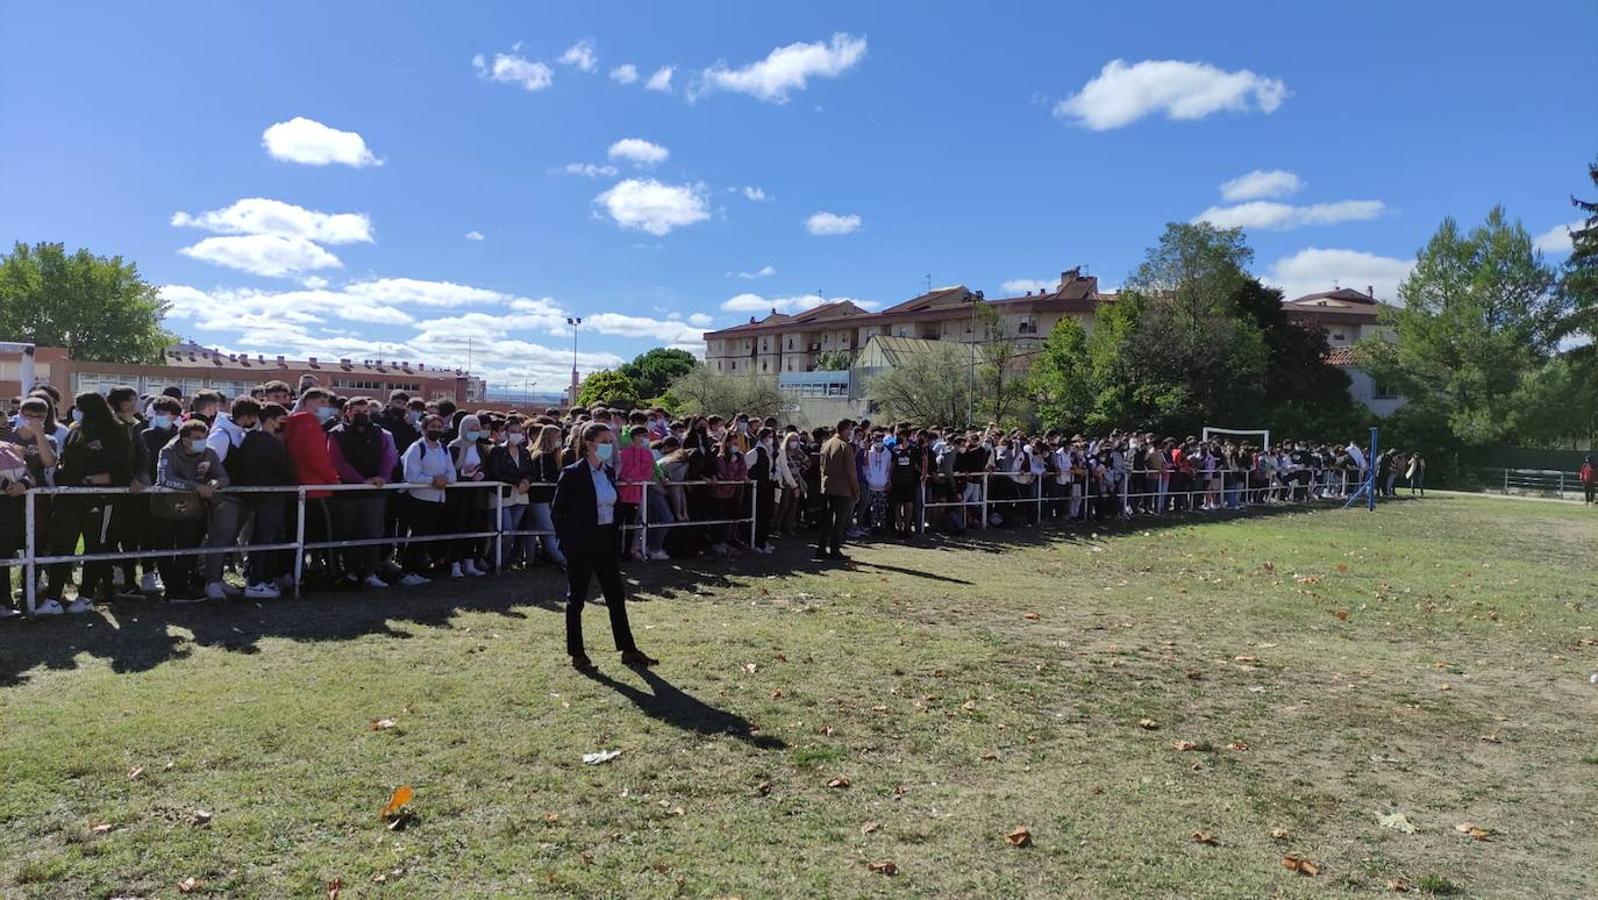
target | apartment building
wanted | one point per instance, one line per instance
(782, 342)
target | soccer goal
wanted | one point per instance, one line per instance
(1263, 433)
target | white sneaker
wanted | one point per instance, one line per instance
(151, 583)
(471, 569)
(659, 555)
(48, 608)
(9, 612)
(455, 571)
(372, 581)
(116, 578)
(215, 591)
(78, 607)
(262, 591)
(414, 580)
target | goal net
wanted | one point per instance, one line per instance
(1264, 434)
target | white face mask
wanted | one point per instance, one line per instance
(515, 438)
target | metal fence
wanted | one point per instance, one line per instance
(1550, 483)
(32, 558)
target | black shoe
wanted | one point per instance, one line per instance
(837, 555)
(638, 659)
(820, 555)
(584, 664)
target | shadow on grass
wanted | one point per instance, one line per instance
(666, 703)
(138, 636)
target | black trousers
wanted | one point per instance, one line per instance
(585, 560)
(834, 519)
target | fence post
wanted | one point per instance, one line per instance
(1506, 481)
(499, 530)
(1037, 483)
(985, 485)
(643, 519)
(1561, 485)
(754, 506)
(299, 542)
(31, 570)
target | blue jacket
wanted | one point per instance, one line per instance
(575, 509)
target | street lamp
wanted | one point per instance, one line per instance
(574, 321)
(971, 348)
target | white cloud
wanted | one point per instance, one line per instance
(314, 282)
(826, 223)
(474, 235)
(1315, 269)
(648, 205)
(1273, 216)
(753, 193)
(1022, 285)
(588, 170)
(423, 293)
(1557, 239)
(512, 69)
(626, 73)
(1122, 94)
(761, 272)
(310, 142)
(671, 332)
(787, 69)
(272, 255)
(581, 55)
(1261, 184)
(700, 320)
(258, 215)
(661, 80)
(639, 152)
(755, 303)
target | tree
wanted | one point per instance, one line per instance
(96, 307)
(608, 388)
(1478, 320)
(1579, 281)
(701, 392)
(654, 370)
(833, 361)
(1308, 396)
(1001, 379)
(926, 387)
(1063, 377)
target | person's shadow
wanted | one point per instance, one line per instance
(666, 703)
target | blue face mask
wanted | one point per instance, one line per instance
(471, 436)
(323, 413)
(77, 415)
(197, 445)
(161, 422)
(604, 451)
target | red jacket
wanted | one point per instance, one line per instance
(1586, 473)
(306, 444)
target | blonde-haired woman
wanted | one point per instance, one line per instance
(546, 471)
(468, 509)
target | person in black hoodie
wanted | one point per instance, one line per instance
(402, 419)
(512, 463)
(98, 453)
(130, 513)
(260, 461)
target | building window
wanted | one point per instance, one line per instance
(718, 365)
(1385, 392)
(790, 343)
(1338, 338)
(826, 339)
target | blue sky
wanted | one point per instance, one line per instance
(414, 195)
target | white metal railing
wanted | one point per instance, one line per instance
(31, 559)
(1554, 483)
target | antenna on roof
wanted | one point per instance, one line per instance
(929, 282)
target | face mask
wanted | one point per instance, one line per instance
(361, 420)
(472, 436)
(515, 438)
(743, 427)
(435, 436)
(197, 445)
(77, 415)
(323, 413)
(162, 422)
(413, 417)
(793, 444)
(603, 451)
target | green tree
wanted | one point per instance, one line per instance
(97, 307)
(1063, 378)
(1002, 386)
(608, 388)
(927, 388)
(833, 360)
(654, 370)
(1478, 320)
(1308, 397)
(700, 392)
(1579, 281)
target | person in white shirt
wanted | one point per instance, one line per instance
(428, 465)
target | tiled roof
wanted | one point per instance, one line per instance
(1340, 356)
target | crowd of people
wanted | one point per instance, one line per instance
(703, 485)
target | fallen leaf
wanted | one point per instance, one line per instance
(1279, 834)
(777, 694)
(551, 818)
(381, 724)
(1342, 615)
(1300, 865)
(1204, 837)
(1239, 746)
(678, 811)
(825, 730)
(1147, 724)
(397, 800)
(1342, 567)
(136, 773)
(1020, 836)
(1183, 746)
(199, 818)
(1032, 616)
(883, 867)
(190, 885)
(763, 788)
(1195, 675)
(600, 757)
(1245, 659)
(1491, 739)
(869, 827)
(334, 887)
(990, 754)
(1398, 886)
(751, 668)
(969, 705)
(1398, 822)
(102, 828)
(840, 782)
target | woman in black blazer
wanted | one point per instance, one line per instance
(584, 513)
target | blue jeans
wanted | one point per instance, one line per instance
(513, 517)
(537, 519)
(659, 514)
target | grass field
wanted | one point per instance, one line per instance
(1299, 676)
